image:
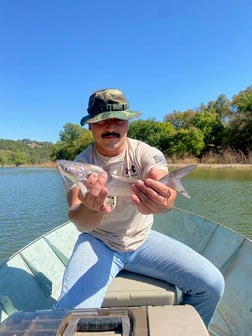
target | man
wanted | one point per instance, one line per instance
(117, 235)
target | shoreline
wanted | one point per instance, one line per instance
(213, 165)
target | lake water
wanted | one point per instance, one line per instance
(223, 195)
(32, 202)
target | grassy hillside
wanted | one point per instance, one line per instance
(24, 152)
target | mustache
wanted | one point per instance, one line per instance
(107, 134)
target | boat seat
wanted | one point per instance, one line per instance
(131, 289)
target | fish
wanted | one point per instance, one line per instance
(78, 174)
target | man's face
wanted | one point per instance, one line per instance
(110, 136)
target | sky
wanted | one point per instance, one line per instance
(165, 55)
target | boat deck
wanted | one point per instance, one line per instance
(31, 279)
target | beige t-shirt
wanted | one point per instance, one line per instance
(125, 229)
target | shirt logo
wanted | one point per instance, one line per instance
(131, 171)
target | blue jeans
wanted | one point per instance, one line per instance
(93, 266)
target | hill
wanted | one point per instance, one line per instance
(24, 152)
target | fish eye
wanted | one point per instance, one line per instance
(66, 169)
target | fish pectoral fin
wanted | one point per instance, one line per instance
(82, 187)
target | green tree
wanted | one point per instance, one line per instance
(187, 142)
(4, 158)
(73, 139)
(210, 126)
(239, 131)
(220, 108)
(70, 133)
(154, 133)
(180, 120)
(20, 158)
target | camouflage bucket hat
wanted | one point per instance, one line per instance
(108, 103)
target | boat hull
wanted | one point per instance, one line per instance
(31, 279)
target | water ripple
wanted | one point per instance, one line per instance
(32, 202)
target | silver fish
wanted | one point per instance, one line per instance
(78, 173)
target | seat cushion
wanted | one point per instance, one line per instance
(131, 289)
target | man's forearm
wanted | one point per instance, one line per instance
(84, 218)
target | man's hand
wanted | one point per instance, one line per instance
(87, 211)
(96, 194)
(152, 196)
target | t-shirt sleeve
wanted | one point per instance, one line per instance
(151, 157)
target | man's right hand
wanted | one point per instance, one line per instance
(96, 194)
(87, 211)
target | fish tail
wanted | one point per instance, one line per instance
(178, 186)
(175, 179)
